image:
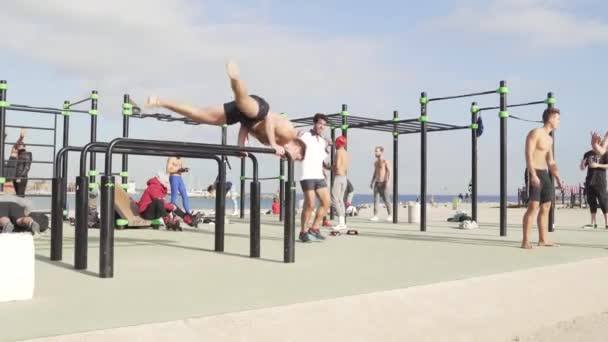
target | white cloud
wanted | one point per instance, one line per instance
(536, 24)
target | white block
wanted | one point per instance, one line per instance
(17, 257)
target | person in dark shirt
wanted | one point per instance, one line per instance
(595, 184)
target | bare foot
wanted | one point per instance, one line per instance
(547, 244)
(153, 101)
(233, 70)
(526, 245)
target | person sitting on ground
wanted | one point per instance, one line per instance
(213, 187)
(16, 215)
(251, 111)
(152, 204)
(276, 206)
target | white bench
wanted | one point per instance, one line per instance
(16, 267)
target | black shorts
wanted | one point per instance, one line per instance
(313, 184)
(597, 197)
(544, 192)
(234, 115)
(11, 210)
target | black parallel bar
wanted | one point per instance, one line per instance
(56, 221)
(254, 222)
(82, 228)
(126, 113)
(3, 87)
(54, 135)
(503, 161)
(106, 250)
(460, 96)
(289, 232)
(550, 101)
(64, 162)
(220, 207)
(513, 105)
(33, 178)
(282, 189)
(93, 133)
(242, 199)
(41, 162)
(474, 114)
(395, 169)
(31, 127)
(332, 161)
(423, 118)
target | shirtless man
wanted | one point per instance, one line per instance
(340, 182)
(175, 168)
(252, 111)
(380, 182)
(539, 163)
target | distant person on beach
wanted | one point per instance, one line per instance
(539, 166)
(380, 183)
(595, 182)
(340, 185)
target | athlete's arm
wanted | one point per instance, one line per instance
(553, 168)
(270, 134)
(530, 144)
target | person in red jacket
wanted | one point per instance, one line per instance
(152, 204)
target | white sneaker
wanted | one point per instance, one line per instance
(374, 219)
(389, 218)
(339, 227)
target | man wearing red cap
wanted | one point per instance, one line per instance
(340, 182)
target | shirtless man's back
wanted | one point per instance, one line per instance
(540, 165)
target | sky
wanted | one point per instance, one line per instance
(313, 56)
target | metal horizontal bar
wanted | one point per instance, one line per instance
(31, 178)
(31, 127)
(41, 162)
(38, 195)
(79, 102)
(25, 108)
(37, 145)
(514, 105)
(461, 96)
(388, 123)
(263, 178)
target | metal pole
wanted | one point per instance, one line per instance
(474, 128)
(254, 224)
(503, 90)
(93, 112)
(551, 104)
(282, 189)
(344, 129)
(332, 176)
(64, 162)
(127, 111)
(289, 225)
(56, 220)
(106, 249)
(423, 120)
(220, 207)
(395, 169)
(82, 228)
(242, 199)
(3, 104)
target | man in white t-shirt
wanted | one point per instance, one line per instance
(313, 179)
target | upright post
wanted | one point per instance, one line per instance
(254, 224)
(474, 128)
(242, 199)
(332, 160)
(106, 234)
(82, 229)
(127, 111)
(504, 115)
(220, 207)
(423, 120)
(344, 129)
(56, 220)
(289, 225)
(281, 189)
(395, 168)
(3, 105)
(64, 163)
(93, 112)
(551, 104)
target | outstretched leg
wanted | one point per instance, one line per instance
(245, 103)
(213, 115)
